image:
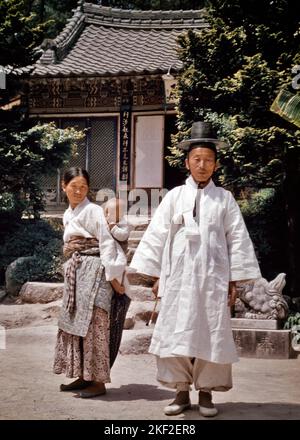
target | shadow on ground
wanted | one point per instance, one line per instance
(250, 411)
(135, 392)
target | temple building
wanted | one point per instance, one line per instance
(105, 72)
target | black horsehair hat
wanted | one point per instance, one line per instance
(202, 132)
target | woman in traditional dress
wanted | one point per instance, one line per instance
(94, 268)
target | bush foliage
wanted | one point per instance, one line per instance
(40, 241)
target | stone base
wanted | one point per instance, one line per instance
(265, 324)
(264, 344)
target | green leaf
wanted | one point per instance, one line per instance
(287, 105)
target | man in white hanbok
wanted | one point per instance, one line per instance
(198, 247)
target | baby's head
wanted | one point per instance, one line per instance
(114, 210)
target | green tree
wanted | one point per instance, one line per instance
(25, 23)
(26, 155)
(232, 74)
(27, 152)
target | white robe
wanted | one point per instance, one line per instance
(88, 220)
(195, 260)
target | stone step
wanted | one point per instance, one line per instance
(244, 323)
(136, 278)
(141, 293)
(136, 235)
(140, 313)
(133, 243)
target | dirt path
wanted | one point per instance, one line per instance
(263, 389)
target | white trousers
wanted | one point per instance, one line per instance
(181, 372)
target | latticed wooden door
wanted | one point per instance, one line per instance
(102, 141)
(96, 153)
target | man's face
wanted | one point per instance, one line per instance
(201, 162)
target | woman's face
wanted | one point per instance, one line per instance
(76, 190)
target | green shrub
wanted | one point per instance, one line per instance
(10, 211)
(265, 220)
(44, 265)
(293, 323)
(39, 240)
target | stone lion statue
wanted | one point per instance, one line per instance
(261, 299)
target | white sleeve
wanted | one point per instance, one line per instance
(120, 232)
(242, 259)
(148, 255)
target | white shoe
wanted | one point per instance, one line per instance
(181, 402)
(208, 412)
(206, 407)
(173, 409)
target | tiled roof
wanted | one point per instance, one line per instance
(103, 41)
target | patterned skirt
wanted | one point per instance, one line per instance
(86, 357)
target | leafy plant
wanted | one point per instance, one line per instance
(287, 105)
(293, 323)
(265, 222)
(37, 239)
(44, 265)
(26, 155)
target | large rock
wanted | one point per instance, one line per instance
(13, 286)
(136, 341)
(139, 314)
(34, 292)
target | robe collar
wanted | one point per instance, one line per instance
(190, 181)
(71, 213)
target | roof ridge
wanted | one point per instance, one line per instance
(112, 21)
(57, 48)
(106, 15)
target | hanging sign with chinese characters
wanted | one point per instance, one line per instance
(125, 141)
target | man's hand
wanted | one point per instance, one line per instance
(232, 293)
(119, 288)
(155, 287)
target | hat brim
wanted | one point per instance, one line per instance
(185, 145)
